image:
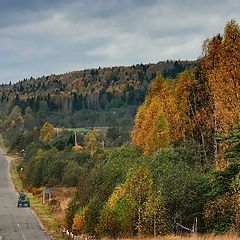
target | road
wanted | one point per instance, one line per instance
(15, 223)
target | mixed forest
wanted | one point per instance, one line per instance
(170, 152)
(93, 97)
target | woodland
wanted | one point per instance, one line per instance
(171, 151)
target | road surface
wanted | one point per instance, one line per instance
(15, 223)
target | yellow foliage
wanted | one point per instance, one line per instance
(182, 91)
(39, 153)
(158, 120)
(138, 186)
(91, 142)
(78, 148)
(219, 207)
(158, 136)
(46, 132)
(222, 66)
(116, 195)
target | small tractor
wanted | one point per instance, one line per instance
(23, 200)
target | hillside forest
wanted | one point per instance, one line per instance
(158, 145)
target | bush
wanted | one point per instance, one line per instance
(71, 175)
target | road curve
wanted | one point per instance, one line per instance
(15, 223)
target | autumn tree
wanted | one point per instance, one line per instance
(123, 213)
(154, 215)
(46, 132)
(183, 91)
(79, 220)
(158, 121)
(220, 67)
(12, 124)
(222, 63)
(138, 188)
(29, 121)
(91, 142)
(117, 216)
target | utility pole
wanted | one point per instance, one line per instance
(102, 143)
(75, 137)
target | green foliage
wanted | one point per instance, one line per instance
(70, 213)
(92, 216)
(219, 214)
(60, 143)
(113, 133)
(222, 209)
(32, 149)
(46, 169)
(116, 221)
(23, 139)
(137, 192)
(222, 179)
(183, 187)
(154, 216)
(71, 175)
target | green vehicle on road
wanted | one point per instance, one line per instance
(23, 200)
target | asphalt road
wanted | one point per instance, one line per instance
(15, 223)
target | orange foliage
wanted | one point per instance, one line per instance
(158, 120)
(222, 65)
(78, 221)
(78, 148)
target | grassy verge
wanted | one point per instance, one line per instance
(2, 144)
(41, 210)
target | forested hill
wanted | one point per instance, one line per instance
(93, 97)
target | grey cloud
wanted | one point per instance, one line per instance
(17, 12)
(53, 36)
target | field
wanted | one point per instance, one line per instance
(82, 130)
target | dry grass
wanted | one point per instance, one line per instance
(199, 237)
(63, 196)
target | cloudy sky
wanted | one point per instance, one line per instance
(40, 37)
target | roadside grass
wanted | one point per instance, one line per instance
(15, 176)
(42, 211)
(190, 237)
(3, 145)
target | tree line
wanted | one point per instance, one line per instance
(93, 95)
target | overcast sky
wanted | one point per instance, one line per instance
(40, 37)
